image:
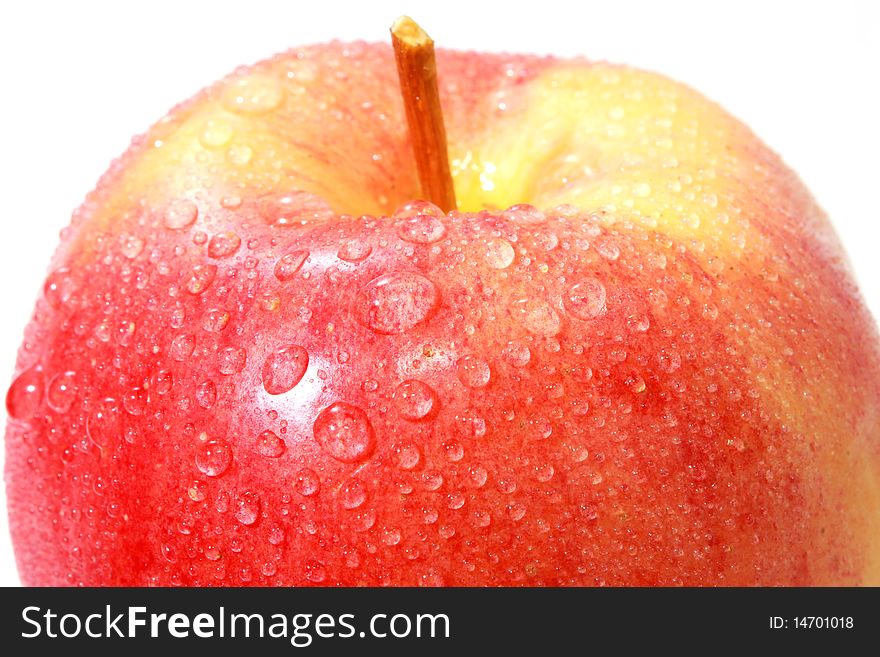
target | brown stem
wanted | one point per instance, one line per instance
(417, 69)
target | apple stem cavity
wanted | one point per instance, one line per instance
(417, 69)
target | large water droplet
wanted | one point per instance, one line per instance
(289, 264)
(61, 392)
(407, 456)
(352, 494)
(421, 229)
(131, 246)
(180, 214)
(201, 278)
(223, 245)
(25, 394)
(162, 382)
(182, 347)
(253, 95)
(135, 401)
(270, 445)
(524, 214)
(586, 300)
(354, 251)
(231, 360)
(414, 399)
(206, 394)
(103, 425)
(213, 458)
(499, 253)
(537, 316)
(473, 371)
(306, 482)
(247, 508)
(394, 303)
(59, 287)
(284, 368)
(344, 432)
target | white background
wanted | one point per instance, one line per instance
(80, 78)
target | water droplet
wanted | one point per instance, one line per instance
(499, 253)
(215, 133)
(284, 368)
(473, 371)
(352, 495)
(344, 432)
(131, 246)
(213, 458)
(586, 300)
(354, 251)
(289, 264)
(270, 445)
(201, 278)
(638, 323)
(59, 287)
(182, 347)
(517, 353)
(60, 393)
(103, 425)
(478, 476)
(544, 473)
(26, 394)
(223, 245)
(161, 382)
(537, 316)
(481, 518)
(421, 229)
(415, 400)
(608, 249)
(231, 360)
(306, 482)
(315, 572)
(240, 154)
(206, 394)
(135, 401)
(253, 95)
(395, 303)
(635, 382)
(215, 320)
(407, 456)
(524, 214)
(669, 360)
(247, 508)
(180, 214)
(454, 450)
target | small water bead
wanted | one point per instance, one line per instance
(247, 508)
(499, 253)
(223, 245)
(455, 500)
(414, 399)
(524, 214)
(103, 425)
(478, 476)
(201, 278)
(135, 401)
(182, 347)
(407, 456)
(25, 394)
(669, 360)
(344, 432)
(161, 382)
(638, 323)
(537, 317)
(608, 249)
(180, 214)
(544, 473)
(231, 360)
(296, 209)
(473, 371)
(253, 95)
(289, 264)
(421, 229)
(214, 458)
(586, 299)
(352, 495)
(315, 572)
(131, 246)
(306, 482)
(240, 154)
(215, 133)
(454, 451)
(413, 208)
(354, 251)
(60, 392)
(270, 445)
(215, 320)
(481, 518)
(284, 368)
(59, 287)
(517, 353)
(206, 394)
(395, 303)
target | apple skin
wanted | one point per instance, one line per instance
(247, 369)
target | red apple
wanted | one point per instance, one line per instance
(632, 355)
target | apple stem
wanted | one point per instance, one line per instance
(417, 69)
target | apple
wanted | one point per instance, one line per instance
(631, 352)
